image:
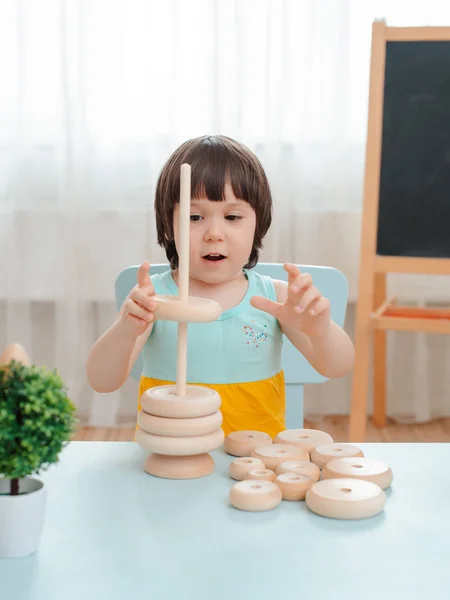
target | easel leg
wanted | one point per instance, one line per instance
(363, 337)
(379, 357)
(368, 250)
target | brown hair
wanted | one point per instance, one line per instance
(215, 160)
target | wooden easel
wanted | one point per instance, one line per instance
(375, 312)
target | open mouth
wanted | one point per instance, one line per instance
(214, 257)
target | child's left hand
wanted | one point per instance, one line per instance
(304, 308)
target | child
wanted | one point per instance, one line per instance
(239, 355)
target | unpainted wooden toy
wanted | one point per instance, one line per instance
(323, 454)
(180, 427)
(164, 401)
(179, 446)
(368, 469)
(193, 310)
(180, 424)
(261, 475)
(299, 467)
(293, 486)
(184, 455)
(275, 454)
(345, 498)
(195, 432)
(307, 439)
(240, 467)
(255, 496)
(349, 487)
(241, 443)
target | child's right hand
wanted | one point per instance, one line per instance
(137, 311)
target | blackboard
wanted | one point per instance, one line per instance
(414, 196)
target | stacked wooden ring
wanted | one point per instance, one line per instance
(334, 479)
(179, 424)
(179, 431)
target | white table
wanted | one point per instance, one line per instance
(113, 532)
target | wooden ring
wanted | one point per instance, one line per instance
(163, 401)
(261, 474)
(180, 427)
(195, 310)
(241, 443)
(255, 495)
(275, 454)
(240, 467)
(345, 498)
(306, 438)
(179, 446)
(301, 467)
(359, 468)
(323, 454)
(293, 486)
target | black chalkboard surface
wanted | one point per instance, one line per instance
(406, 212)
(414, 197)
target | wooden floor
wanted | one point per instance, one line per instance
(336, 426)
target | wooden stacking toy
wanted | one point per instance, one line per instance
(307, 439)
(323, 454)
(299, 467)
(240, 467)
(261, 475)
(350, 486)
(345, 498)
(241, 443)
(255, 495)
(293, 486)
(275, 454)
(180, 424)
(367, 469)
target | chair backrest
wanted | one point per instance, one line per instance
(298, 372)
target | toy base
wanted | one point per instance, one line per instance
(179, 467)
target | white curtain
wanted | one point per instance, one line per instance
(95, 95)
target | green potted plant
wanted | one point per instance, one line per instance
(37, 419)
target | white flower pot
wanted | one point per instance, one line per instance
(21, 517)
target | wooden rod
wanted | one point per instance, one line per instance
(183, 274)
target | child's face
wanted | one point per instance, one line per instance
(221, 237)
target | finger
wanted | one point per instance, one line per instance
(135, 310)
(293, 272)
(299, 287)
(137, 319)
(306, 299)
(268, 306)
(143, 276)
(141, 297)
(320, 307)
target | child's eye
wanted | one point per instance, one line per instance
(233, 217)
(195, 218)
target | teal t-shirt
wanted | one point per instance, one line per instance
(243, 345)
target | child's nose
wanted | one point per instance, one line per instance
(214, 232)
